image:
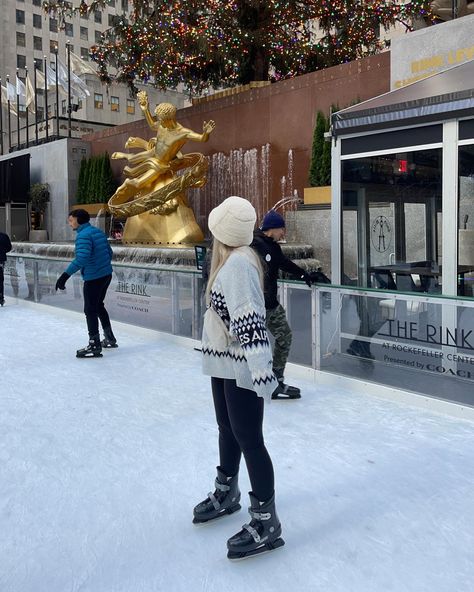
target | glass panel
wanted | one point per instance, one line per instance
(141, 297)
(391, 221)
(185, 305)
(298, 314)
(466, 222)
(407, 342)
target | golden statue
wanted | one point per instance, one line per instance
(153, 197)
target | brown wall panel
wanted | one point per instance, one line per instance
(281, 115)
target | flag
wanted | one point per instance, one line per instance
(80, 66)
(78, 87)
(21, 92)
(9, 94)
(30, 95)
(51, 79)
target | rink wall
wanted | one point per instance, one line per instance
(325, 320)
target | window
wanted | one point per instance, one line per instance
(37, 43)
(53, 25)
(392, 214)
(114, 104)
(84, 33)
(36, 2)
(98, 101)
(21, 61)
(113, 19)
(20, 17)
(466, 220)
(39, 64)
(98, 36)
(85, 53)
(53, 46)
(20, 39)
(130, 107)
(124, 5)
(111, 2)
(37, 22)
(97, 16)
(63, 107)
(69, 29)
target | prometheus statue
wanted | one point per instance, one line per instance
(153, 195)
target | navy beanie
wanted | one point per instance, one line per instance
(272, 219)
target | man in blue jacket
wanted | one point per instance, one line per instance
(93, 258)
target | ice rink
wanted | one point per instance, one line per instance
(102, 461)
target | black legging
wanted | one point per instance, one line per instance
(94, 309)
(239, 414)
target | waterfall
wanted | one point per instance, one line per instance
(241, 172)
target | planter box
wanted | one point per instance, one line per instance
(317, 195)
(92, 208)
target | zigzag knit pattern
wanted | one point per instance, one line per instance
(236, 296)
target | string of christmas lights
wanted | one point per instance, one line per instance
(213, 43)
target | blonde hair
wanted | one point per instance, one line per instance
(165, 111)
(220, 254)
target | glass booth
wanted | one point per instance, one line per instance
(403, 237)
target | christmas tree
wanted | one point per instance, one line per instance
(212, 43)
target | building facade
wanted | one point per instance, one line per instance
(29, 37)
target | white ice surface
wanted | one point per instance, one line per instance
(102, 461)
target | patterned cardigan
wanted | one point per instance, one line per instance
(236, 296)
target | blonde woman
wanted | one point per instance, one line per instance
(237, 355)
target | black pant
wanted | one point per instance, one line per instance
(239, 414)
(1, 280)
(94, 309)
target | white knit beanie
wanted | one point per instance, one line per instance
(233, 221)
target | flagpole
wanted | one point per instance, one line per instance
(69, 105)
(57, 92)
(26, 106)
(9, 118)
(46, 97)
(1, 120)
(17, 112)
(36, 104)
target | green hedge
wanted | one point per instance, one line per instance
(320, 167)
(96, 182)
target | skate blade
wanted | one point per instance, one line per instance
(89, 356)
(285, 397)
(240, 556)
(223, 514)
(111, 346)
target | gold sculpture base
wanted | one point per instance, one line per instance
(178, 227)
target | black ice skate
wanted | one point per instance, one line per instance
(93, 350)
(109, 340)
(225, 499)
(2, 301)
(263, 534)
(285, 391)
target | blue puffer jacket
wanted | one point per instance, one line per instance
(93, 253)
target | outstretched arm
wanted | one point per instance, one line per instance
(142, 98)
(207, 128)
